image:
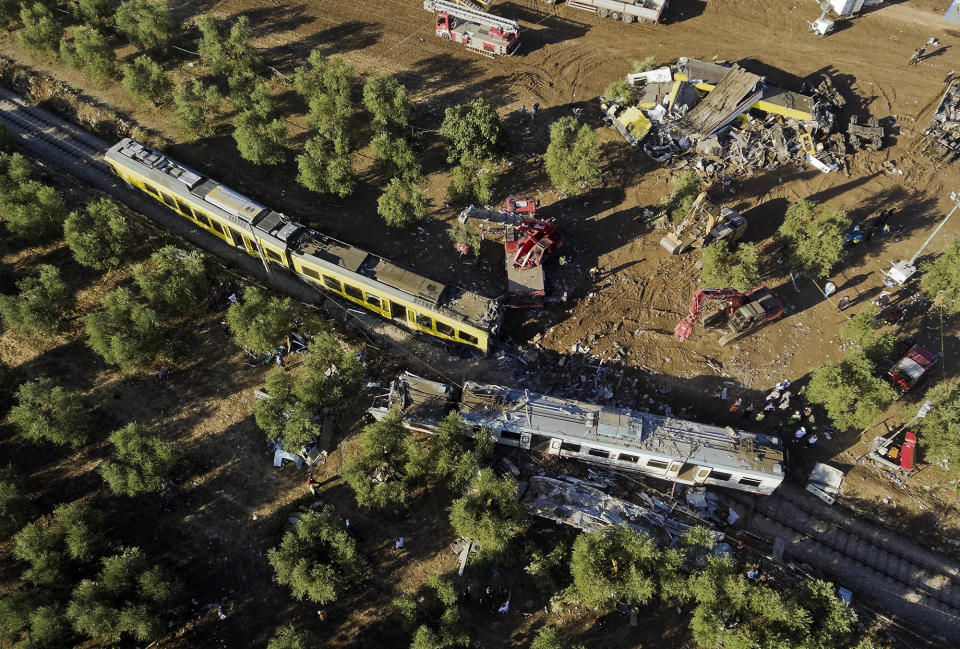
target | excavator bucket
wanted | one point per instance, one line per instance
(672, 244)
(683, 330)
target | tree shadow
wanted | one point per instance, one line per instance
(339, 39)
(551, 28)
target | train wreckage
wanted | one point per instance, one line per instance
(668, 448)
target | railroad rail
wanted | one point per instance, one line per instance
(888, 571)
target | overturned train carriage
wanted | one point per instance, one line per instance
(662, 447)
(448, 313)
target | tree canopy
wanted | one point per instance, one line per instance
(940, 429)
(572, 159)
(260, 139)
(197, 108)
(941, 279)
(861, 331)
(329, 372)
(288, 637)
(97, 14)
(454, 456)
(46, 412)
(473, 132)
(402, 204)
(90, 53)
(15, 507)
(849, 390)
(285, 417)
(433, 615)
(396, 157)
(31, 210)
(174, 280)
(318, 560)
(41, 30)
(259, 321)
(551, 638)
(129, 597)
(617, 564)
(53, 549)
(101, 238)
(41, 305)
(149, 25)
(227, 51)
(390, 464)
(142, 462)
(146, 81)
(723, 267)
(814, 237)
(386, 100)
(490, 512)
(125, 332)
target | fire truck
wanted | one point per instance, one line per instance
(478, 31)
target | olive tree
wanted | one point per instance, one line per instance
(389, 465)
(46, 412)
(327, 87)
(41, 305)
(146, 81)
(97, 14)
(616, 564)
(325, 166)
(386, 100)
(174, 280)
(128, 598)
(41, 30)
(52, 550)
(454, 456)
(125, 332)
(318, 559)
(259, 139)
(467, 241)
(861, 331)
(90, 53)
(940, 428)
(684, 189)
(490, 512)
(287, 637)
(738, 268)
(9, 13)
(284, 416)
(551, 638)
(941, 279)
(849, 390)
(15, 507)
(101, 238)
(396, 157)
(260, 322)
(402, 204)
(197, 108)
(572, 158)
(29, 620)
(148, 25)
(227, 51)
(141, 461)
(473, 132)
(31, 210)
(813, 235)
(433, 615)
(329, 373)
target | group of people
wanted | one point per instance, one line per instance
(778, 403)
(921, 51)
(533, 111)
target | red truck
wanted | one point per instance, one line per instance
(912, 369)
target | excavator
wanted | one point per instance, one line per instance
(705, 223)
(738, 313)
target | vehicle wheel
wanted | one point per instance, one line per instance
(615, 15)
(627, 18)
(603, 13)
(446, 36)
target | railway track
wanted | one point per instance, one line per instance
(876, 564)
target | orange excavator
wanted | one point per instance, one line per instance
(738, 313)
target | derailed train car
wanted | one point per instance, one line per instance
(672, 449)
(446, 312)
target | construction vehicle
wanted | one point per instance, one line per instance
(903, 271)
(739, 313)
(478, 31)
(705, 223)
(912, 369)
(646, 11)
(527, 243)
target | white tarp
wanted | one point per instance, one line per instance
(660, 75)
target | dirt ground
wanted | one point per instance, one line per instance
(237, 502)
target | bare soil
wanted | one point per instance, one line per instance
(233, 503)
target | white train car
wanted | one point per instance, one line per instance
(672, 449)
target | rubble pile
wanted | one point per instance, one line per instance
(944, 131)
(732, 122)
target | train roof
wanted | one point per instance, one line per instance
(521, 411)
(311, 246)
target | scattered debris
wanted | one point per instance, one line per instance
(943, 133)
(824, 482)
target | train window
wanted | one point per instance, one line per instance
(445, 329)
(374, 301)
(623, 457)
(271, 255)
(309, 272)
(169, 200)
(353, 291)
(749, 482)
(506, 434)
(567, 446)
(147, 187)
(202, 219)
(467, 338)
(219, 228)
(330, 282)
(717, 475)
(425, 321)
(183, 208)
(657, 464)
(596, 452)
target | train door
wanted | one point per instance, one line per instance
(397, 311)
(673, 470)
(525, 441)
(554, 446)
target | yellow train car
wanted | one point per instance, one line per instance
(445, 312)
